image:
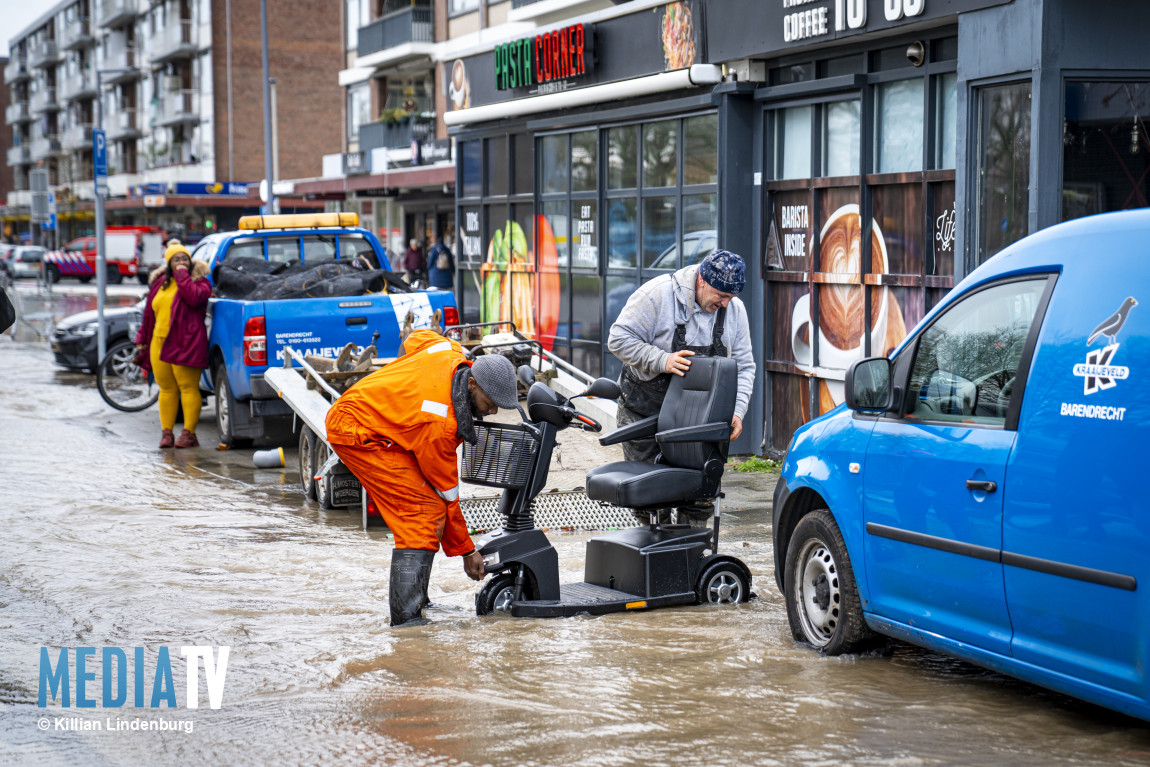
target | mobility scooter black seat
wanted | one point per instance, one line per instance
(636, 484)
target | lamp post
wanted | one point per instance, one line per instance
(101, 252)
(269, 172)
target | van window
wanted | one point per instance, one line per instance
(966, 361)
(283, 249)
(318, 247)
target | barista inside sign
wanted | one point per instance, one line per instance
(555, 55)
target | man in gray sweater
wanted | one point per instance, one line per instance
(669, 320)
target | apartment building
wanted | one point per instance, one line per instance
(6, 176)
(177, 86)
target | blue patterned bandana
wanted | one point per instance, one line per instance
(725, 271)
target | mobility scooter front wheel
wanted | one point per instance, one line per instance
(496, 595)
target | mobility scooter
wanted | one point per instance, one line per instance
(649, 566)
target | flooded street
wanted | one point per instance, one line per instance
(109, 541)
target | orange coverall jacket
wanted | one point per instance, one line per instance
(397, 432)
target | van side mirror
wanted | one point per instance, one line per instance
(868, 385)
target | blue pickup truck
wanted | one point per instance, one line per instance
(246, 335)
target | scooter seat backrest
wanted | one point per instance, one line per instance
(706, 394)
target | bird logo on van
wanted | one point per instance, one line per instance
(1112, 325)
(1098, 372)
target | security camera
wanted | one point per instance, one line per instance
(916, 52)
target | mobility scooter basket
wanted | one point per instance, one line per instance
(502, 456)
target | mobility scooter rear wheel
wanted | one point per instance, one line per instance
(725, 582)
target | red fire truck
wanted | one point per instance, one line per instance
(132, 251)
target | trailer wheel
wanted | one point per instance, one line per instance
(307, 466)
(323, 486)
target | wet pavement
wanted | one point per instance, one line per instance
(109, 541)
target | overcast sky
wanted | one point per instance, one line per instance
(15, 15)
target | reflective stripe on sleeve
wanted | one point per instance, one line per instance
(435, 408)
(442, 346)
(449, 495)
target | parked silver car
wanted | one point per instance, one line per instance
(24, 261)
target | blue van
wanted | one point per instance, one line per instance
(980, 493)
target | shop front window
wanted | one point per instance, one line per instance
(859, 237)
(841, 138)
(793, 147)
(1003, 166)
(899, 126)
(623, 157)
(1105, 148)
(659, 154)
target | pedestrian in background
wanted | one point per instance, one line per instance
(173, 340)
(441, 266)
(413, 261)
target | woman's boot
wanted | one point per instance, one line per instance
(166, 438)
(410, 575)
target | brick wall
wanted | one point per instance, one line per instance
(305, 55)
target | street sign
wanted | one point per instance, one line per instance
(51, 222)
(100, 161)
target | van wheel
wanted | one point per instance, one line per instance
(114, 276)
(822, 599)
(84, 279)
(53, 272)
(143, 278)
(307, 466)
(225, 410)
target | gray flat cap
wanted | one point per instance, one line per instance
(496, 376)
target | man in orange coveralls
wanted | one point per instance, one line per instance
(397, 430)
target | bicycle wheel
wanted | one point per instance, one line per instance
(122, 383)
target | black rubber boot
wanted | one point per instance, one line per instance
(410, 574)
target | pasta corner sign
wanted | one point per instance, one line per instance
(545, 58)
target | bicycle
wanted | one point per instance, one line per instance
(122, 382)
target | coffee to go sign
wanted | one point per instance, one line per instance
(555, 55)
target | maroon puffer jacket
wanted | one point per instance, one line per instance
(187, 341)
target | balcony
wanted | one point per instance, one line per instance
(78, 137)
(77, 33)
(19, 155)
(78, 85)
(123, 125)
(44, 54)
(17, 113)
(15, 71)
(124, 61)
(44, 147)
(176, 40)
(163, 155)
(410, 25)
(179, 106)
(397, 135)
(44, 100)
(114, 13)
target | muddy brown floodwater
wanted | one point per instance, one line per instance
(108, 541)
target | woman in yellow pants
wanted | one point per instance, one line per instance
(173, 340)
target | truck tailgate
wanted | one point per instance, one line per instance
(323, 326)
